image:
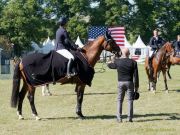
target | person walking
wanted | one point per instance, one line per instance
(127, 72)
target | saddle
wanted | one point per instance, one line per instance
(46, 68)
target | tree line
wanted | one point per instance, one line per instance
(23, 21)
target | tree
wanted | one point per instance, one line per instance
(21, 23)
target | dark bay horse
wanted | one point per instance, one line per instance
(91, 53)
(159, 63)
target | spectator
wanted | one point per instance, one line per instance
(127, 72)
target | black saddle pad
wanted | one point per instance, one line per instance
(45, 68)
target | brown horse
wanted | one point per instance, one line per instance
(91, 53)
(173, 60)
(159, 63)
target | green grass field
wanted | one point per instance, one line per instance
(157, 114)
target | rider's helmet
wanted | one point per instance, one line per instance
(62, 21)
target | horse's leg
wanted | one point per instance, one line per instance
(158, 75)
(168, 71)
(20, 102)
(80, 92)
(48, 91)
(165, 80)
(43, 90)
(31, 94)
(147, 72)
(154, 80)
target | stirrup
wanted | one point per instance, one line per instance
(71, 75)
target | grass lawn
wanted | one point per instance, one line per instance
(154, 114)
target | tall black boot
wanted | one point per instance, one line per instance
(70, 69)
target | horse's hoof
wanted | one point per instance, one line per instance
(80, 115)
(37, 118)
(154, 92)
(21, 117)
(167, 91)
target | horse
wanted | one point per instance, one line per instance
(45, 88)
(173, 60)
(91, 55)
(159, 63)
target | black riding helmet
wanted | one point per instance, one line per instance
(62, 21)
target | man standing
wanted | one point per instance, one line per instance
(127, 72)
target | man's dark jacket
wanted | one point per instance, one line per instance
(127, 70)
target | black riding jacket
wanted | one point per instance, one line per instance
(63, 40)
(156, 43)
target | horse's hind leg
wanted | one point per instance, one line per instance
(165, 80)
(30, 96)
(20, 102)
(168, 72)
(80, 92)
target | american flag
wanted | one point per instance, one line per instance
(96, 31)
(117, 33)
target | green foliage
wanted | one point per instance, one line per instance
(34, 20)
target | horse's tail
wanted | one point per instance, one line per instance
(16, 85)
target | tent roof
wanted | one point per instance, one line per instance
(78, 42)
(139, 43)
(126, 43)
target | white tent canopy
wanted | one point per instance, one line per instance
(48, 45)
(139, 49)
(78, 42)
(139, 43)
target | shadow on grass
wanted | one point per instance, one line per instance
(170, 116)
(101, 93)
(146, 117)
(86, 118)
(178, 90)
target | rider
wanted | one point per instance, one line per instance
(156, 42)
(176, 45)
(64, 44)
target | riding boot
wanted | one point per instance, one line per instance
(70, 69)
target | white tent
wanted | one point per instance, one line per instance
(139, 50)
(78, 42)
(48, 45)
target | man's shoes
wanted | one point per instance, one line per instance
(119, 120)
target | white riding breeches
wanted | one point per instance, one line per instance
(149, 51)
(65, 53)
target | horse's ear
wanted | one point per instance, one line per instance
(108, 34)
